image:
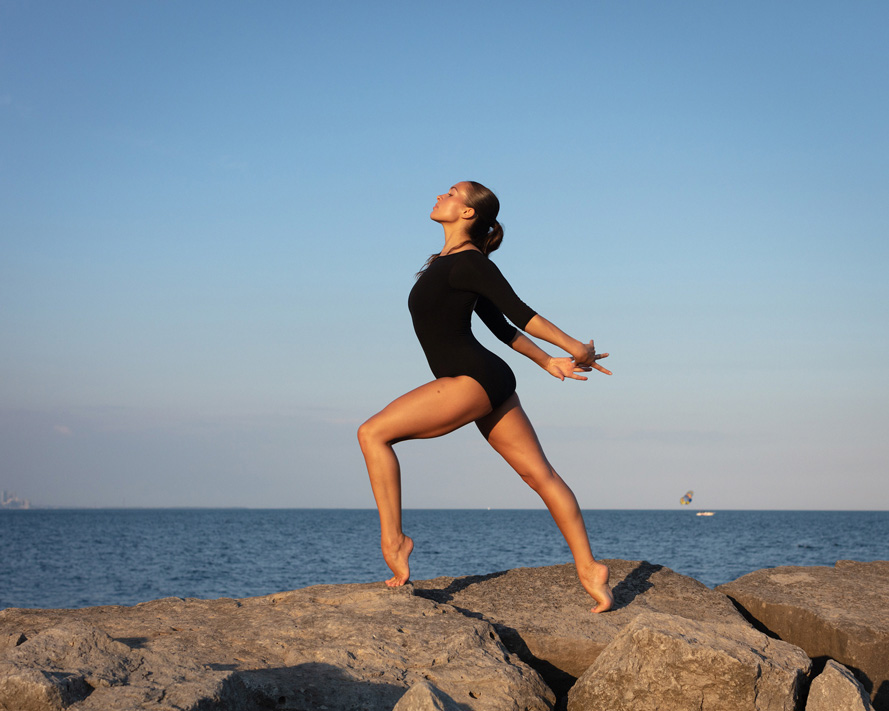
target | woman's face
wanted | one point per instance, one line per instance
(451, 206)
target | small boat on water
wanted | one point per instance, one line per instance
(688, 497)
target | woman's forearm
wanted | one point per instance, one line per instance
(524, 345)
(540, 328)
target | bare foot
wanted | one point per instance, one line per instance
(594, 578)
(396, 557)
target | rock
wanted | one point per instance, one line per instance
(60, 667)
(454, 644)
(837, 689)
(26, 689)
(840, 613)
(425, 697)
(663, 662)
(12, 639)
(77, 665)
(343, 647)
(543, 614)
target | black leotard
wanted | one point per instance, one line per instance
(441, 305)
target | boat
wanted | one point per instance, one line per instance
(705, 513)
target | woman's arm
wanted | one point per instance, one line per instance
(584, 354)
(496, 297)
(560, 368)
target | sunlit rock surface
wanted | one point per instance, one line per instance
(839, 612)
(837, 689)
(673, 663)
(343, 647)
(543, 614)
(516, 640)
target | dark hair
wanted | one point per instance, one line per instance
(485, 232)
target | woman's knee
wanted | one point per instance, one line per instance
(367, 434)
(375, 432)
(539, 477)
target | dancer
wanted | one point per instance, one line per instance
(474, 385)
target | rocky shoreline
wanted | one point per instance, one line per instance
(793, 638)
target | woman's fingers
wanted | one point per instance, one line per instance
(601, 369)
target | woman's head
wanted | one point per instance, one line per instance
(475, 207)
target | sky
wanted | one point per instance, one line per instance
(211, 214)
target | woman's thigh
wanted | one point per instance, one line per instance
(431, 410)
(510, 432)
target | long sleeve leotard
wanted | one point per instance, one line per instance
(441, 305)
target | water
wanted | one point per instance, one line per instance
(78, 558)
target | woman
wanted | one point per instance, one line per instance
(474, 385)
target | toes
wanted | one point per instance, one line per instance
(602, 607)
(604, 601)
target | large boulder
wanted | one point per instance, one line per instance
(76, 665)
(837, 689)
(839, 612)
(667, 663)
(543, 614)
(345, 647)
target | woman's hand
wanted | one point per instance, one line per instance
(562, 368)
(588, 357)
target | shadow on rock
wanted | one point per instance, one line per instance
(637, 582)
(134, 642)
(454, 587)
(881, 698)
(314, 685)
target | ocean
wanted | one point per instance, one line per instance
(79, 558)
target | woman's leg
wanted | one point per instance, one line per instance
(509, 431)
(432, 410)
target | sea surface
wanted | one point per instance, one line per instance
(79, 558)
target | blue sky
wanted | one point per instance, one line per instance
(211, 214)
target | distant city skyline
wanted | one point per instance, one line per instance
(9, 500)
(211, 215)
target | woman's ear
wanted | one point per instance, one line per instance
(468, 213)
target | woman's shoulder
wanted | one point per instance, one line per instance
(479, 260)
(473, 256)
(472, 266)
(464, 252)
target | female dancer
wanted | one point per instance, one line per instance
(474, 385)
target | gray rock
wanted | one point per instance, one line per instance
(543, 614)
(60, 667)
(837, 689)
(347, 647)
(663, 662)
(77, 665)
(840, 612)
(75, 647)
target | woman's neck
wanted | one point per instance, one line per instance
(456, 240)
